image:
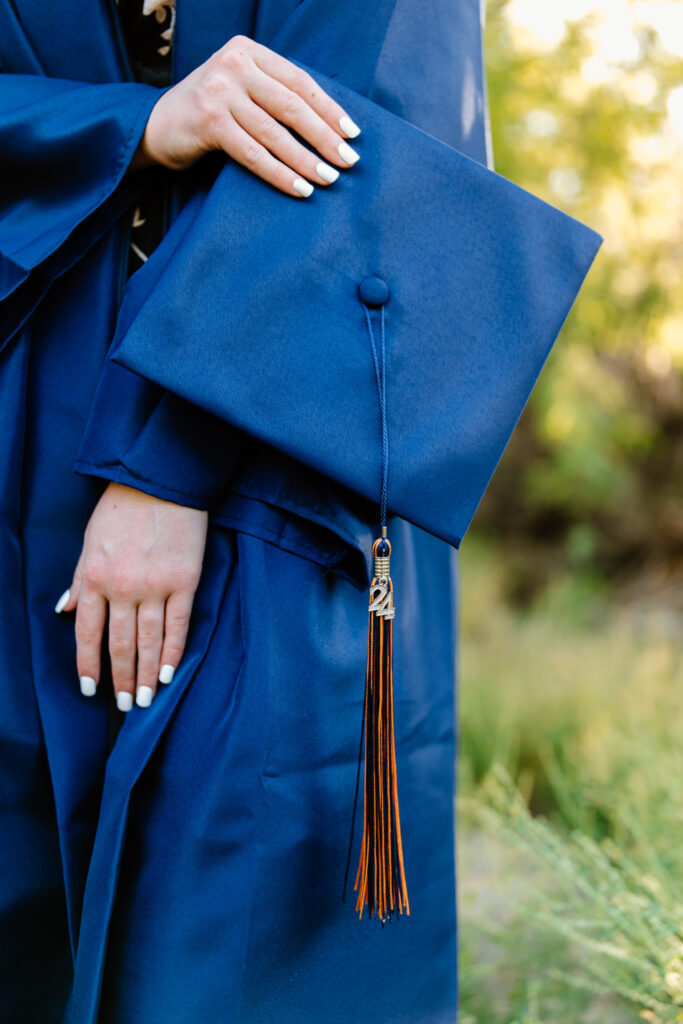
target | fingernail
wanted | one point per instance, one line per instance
(348, 126)
(143, 697)
(304, 188)
(346, 153)
(64, 599)
(326, 172)
(124, 700)
(88, 686)
(166, 674)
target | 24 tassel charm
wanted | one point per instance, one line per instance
(380, 879)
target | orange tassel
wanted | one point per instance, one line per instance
(380, 879)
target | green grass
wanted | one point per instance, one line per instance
(571, 805)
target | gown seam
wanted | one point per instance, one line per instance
(248, 490)
(278, 534)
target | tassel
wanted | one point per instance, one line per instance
(380, 878)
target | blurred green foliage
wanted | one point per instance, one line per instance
(594, 473)
(570, 805)
(571, 652)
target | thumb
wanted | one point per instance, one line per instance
(69, 599)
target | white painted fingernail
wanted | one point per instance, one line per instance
(303, 187)
(346, 153)
(326, 172)
(166, 674)
(64, 599)
(88, 686)
(143, 697)
(348, 126)
(124, 700)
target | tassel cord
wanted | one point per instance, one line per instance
(380, 376)
(380, 876)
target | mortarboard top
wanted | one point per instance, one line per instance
(251, 308)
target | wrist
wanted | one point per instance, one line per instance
(142, 157)
(147, 155)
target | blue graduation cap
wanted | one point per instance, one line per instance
(386, 332)
(254, 308)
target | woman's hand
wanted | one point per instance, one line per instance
(238, 101)
(141, 560)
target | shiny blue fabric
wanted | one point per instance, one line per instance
(193, 873)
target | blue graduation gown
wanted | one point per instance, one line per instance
(194, 872)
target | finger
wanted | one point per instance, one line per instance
(122, 650)
(176, 623)
(249, 152)
(69, 599)
(282, 144)
(91, 615)
(150, 639)
(300, 82)
(289, 108)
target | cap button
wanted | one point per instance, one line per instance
(373, 291)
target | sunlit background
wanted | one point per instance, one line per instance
(571, 666)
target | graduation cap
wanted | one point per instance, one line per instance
(387, 332)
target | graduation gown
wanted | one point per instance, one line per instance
(190, 868)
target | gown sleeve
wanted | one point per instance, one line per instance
(258, 308)
(65, 147)
(150, 438)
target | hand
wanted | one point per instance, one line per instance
(141, 560)
(238, 101)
